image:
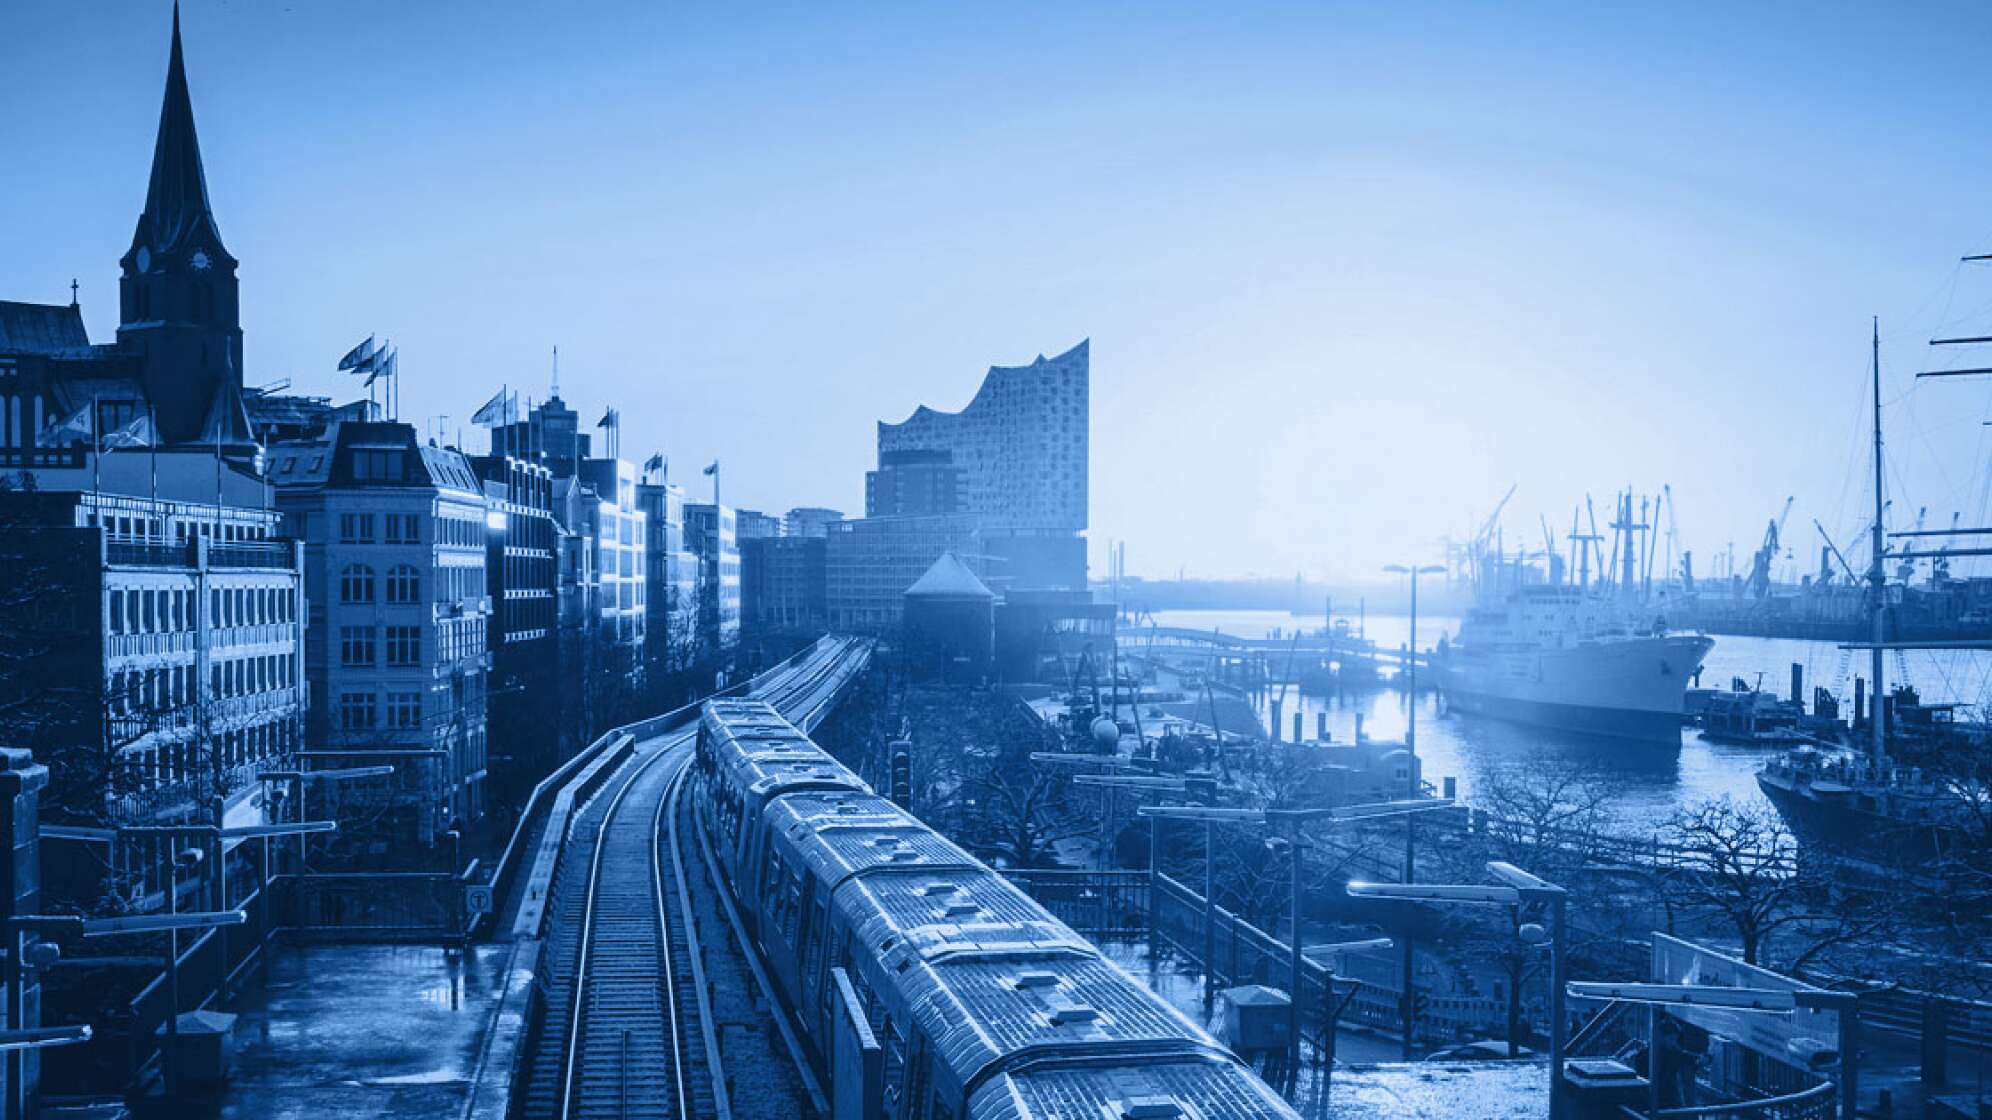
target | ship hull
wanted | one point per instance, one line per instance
(1632, 689)
(1843, 825)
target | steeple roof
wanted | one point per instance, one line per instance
(949, 578)
(176, 200)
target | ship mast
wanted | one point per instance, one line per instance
(1876, 572)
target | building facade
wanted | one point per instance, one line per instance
(869, 564)
(809, 521)
(520, 558)
(1021, 444)
(916, 482)
(398, 645)
(752, 524)
(784, 583)
(671, 632)
(710, 531)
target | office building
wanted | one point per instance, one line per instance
(709, 529)
(916, 482)
(783, 583)
(521, 578)
(672, 575)
(752, 524)
(809, 521)
(869, 563)
(397, 647)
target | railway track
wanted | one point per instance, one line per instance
(626, 1029)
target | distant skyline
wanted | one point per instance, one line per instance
(1349, 272)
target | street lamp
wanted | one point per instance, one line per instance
(1518, 888)
(298, 777)
(1411, 777)
(1325, 956)
(1765, 1000)
(1197, 788)
(1293, 843)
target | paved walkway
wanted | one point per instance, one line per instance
(344, 1031)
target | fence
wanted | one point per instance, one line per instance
(383, 906)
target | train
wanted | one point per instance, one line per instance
(980, 1003)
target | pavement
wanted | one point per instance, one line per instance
(350, 1031)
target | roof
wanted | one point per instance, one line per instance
(949, 578)
(42, 328)
(176, 198)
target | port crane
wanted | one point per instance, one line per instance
(1759, 583)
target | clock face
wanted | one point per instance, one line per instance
(201, 259)
(144, 259)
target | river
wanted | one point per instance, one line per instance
(1653, 781)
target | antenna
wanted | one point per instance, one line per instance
(556, 371)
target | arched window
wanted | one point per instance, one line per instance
(356, 584)
(404, 584)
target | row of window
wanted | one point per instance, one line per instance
(145, 610)
(359, 646)
(361, 711)
(168, 763)
(401, 528)
(135, 692)
(356, 584)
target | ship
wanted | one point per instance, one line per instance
(1874, 801)
(1561, 656)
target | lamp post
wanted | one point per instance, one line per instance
(1518, 888)
(1765, 1000)
(1408, 1004)
(297, 778)
(1331, 1015)
(1292, 821)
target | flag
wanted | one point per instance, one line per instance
(712, 467)
(654, 463)
(496, 411)
(609, 419)
(138, 433)
(75, 428)
(384, 364)
(358, 355)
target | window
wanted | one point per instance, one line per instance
(404, 709)
(404, 645)
(404, 528)
(356, 584)
(377, 466)
(404, 584)
(117, 612)
(357, 711)
(356, 646)
(356, 528)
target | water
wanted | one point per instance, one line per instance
(1653, 782)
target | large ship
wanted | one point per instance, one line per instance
(1558, 655)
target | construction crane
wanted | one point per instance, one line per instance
(1759, 583)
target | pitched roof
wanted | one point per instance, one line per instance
(42, 328)
(949, 578)
(176, 199)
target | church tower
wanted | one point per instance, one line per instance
(178, 301)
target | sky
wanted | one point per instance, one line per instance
(1349, 271)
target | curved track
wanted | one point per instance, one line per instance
(626, 1030)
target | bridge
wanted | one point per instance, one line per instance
(1312, 645)
(624, 944)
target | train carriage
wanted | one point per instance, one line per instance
(984, 1004)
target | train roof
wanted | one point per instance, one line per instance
(762, 753)
(1191, 1089)
(838, 833)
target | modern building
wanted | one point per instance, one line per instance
(869, 563)
(618, 525)
(916, 482)
(784, 583)
(1021, 444)
(672, 577)
(809, 521)
(397, 647)
(521, 576)
(550, 434)
(752, 524)
(710, 529)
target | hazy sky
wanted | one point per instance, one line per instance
(1349, 271)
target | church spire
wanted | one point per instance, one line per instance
(176, 200)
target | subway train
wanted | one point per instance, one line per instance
(983, 1005)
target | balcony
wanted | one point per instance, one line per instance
(264, 555)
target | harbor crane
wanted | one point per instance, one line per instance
(1759, 583)
(1486, 530)
(1826, 573)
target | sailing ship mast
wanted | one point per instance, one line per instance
(1876, 572)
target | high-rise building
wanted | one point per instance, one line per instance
(809, 521)
(397, 649)
(752, 524)
(521, 578)
(869, 563)
(1021, 444)
(671, 633)
(709, 529)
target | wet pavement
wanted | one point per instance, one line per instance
(343, 1031)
